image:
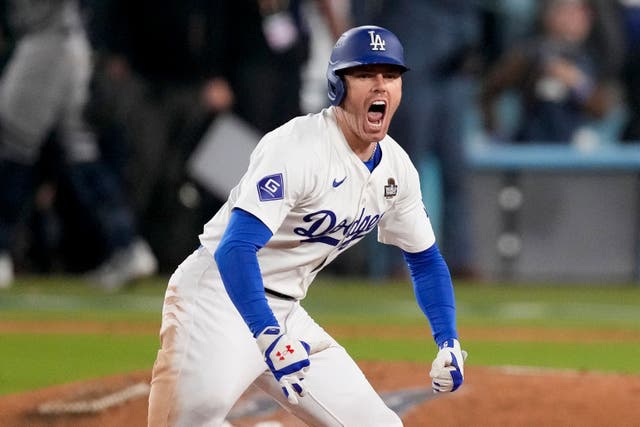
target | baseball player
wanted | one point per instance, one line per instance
(314, 187)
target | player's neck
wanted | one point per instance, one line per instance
(362, 148)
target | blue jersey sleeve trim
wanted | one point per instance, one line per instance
(237, 261)
(434, 291)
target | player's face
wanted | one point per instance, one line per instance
(373, 96)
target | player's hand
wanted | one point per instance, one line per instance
(447, 370)
(288, 359)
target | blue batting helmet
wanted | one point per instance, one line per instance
(364, 45)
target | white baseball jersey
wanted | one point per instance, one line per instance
(318, 198)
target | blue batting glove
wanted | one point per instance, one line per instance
(288, 360)
(447, 370)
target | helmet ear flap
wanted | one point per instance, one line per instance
(336, 87)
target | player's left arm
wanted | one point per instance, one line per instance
(434, 292)
(407, 226)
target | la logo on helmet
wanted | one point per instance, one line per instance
(376, 41)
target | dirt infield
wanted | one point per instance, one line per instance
(490, 397)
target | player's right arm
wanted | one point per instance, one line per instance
(237, 261)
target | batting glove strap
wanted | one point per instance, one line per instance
(447, 369)
(288, 360)
(267, 337)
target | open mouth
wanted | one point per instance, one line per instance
(376, 111)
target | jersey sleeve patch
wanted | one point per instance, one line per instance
(271, 187)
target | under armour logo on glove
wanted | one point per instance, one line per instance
(287, 350)
(288, 360)
(447, 370)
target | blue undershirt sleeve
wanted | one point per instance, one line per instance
(237, 261)
(434, 291)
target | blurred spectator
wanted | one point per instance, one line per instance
(269, 45)
(161, 79)
(168, 68)
(327, 20)
(44, 90)
(440, 39)
(630, 16)
(505, 22)
(558, 77)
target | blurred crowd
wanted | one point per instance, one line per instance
(102, 103)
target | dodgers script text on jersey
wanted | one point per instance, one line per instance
(318, 199)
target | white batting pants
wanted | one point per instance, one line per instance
(209, 358)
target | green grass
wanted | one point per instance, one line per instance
(580, 356)
(484, 305)
(38, 360)
(29, 361)
(550, 306)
